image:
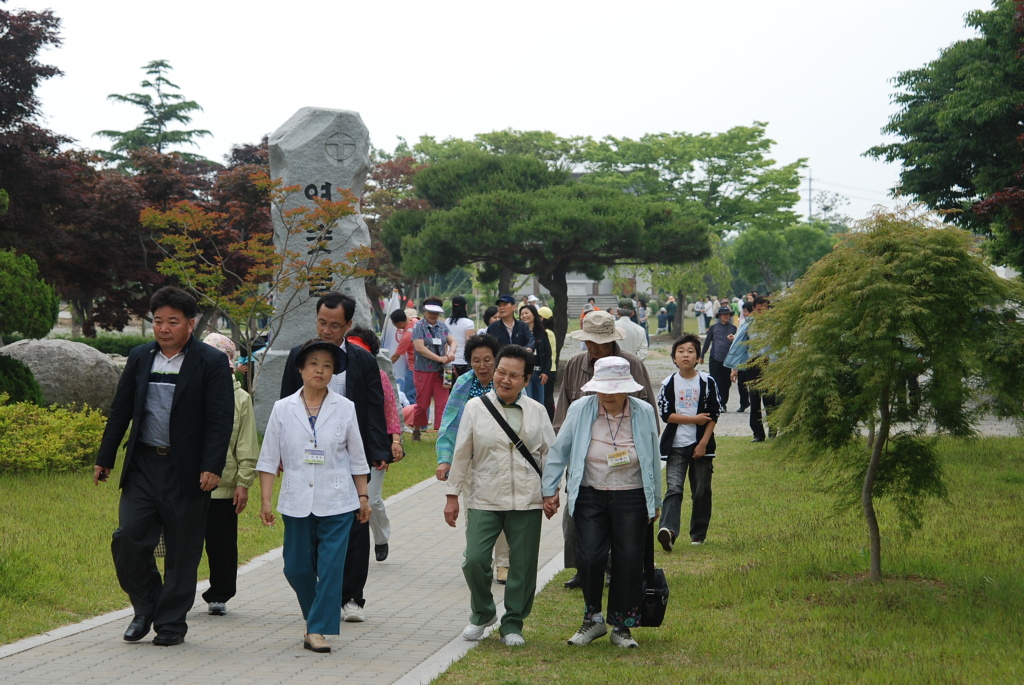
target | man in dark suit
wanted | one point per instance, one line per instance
(178, 397)
(508, 330)
(359, 381)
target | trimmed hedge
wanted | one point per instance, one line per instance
(17, 381)
(34, 438)
(113, 344)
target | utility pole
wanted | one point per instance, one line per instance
(810, 196)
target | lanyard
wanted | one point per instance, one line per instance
(312, 418)
(618, 427)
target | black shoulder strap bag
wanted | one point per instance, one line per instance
(516, 440)
(655, 601)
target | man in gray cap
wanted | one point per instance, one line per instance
(601, 337)
(634, 338)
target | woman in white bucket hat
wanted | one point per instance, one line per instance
(609, 442)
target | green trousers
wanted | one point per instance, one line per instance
(522, 530)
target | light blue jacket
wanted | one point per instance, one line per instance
(573, 442)
(739, 352)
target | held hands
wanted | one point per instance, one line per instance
(551, 505)
(451, 510)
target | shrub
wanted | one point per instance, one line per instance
(34, 438)
(113, 343)
(17, 381)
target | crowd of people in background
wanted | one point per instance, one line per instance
(505, 448)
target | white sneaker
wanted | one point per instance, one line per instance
(353, 613)
(588, 632)
(513, 640)
(621, 637)
(473, 632)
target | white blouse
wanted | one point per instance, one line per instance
(322, 489)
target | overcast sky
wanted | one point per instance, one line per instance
(817, 71)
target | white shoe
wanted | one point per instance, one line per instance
(513, 640)
(473, 632)
(353, 613)
(588, 632)
(621, 637)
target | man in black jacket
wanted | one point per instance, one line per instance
(178, 396)
(359, 381)
(508, 331)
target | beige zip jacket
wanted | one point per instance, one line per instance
(488, 469)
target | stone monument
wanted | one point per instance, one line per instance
(319, 150)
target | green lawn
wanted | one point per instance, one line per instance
(778, 595)
(55, 565)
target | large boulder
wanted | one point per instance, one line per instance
(68, 372)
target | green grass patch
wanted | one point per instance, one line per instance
(55, 564)
(778, 593)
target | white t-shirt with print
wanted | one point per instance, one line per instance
(687, 396)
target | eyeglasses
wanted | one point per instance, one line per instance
(333, 326)
(502, 373)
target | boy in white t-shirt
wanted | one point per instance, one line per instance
(689, 405)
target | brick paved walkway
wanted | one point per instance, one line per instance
(417, 606)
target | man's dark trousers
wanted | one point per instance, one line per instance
(722, 375)
(147, 506)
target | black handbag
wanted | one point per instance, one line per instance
(655, 601)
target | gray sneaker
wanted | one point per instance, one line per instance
(588, 632)
(218, 608)
(621, 637)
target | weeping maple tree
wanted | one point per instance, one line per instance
(903, 332)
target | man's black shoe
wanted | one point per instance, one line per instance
(168, 639)
(138, 628)
(381, 551)
(741, 410)
(574, 583)
(757, 440)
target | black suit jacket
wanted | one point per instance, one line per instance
(521, 334)
(363, 387)
(202, 413)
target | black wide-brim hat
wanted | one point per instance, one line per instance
(318, 344)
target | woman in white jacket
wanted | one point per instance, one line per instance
(313, 436)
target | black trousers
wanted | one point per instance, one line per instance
(612, 521)
(151, 501)
(222, 550)
(357, 559)
(721, 373)
(756, 400)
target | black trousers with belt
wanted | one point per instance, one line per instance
(150, 501)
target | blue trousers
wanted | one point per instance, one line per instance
(314, 564)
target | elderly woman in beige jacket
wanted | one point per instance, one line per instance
(502, 492)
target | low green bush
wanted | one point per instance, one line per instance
(17, 381)
(34, 438)
(112, 343)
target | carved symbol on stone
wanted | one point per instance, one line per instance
(339, 147)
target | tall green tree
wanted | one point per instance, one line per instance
(777, 258)
(865, 341)
(517, 213)
(164, 107)
(958, 126)
(30, 304)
